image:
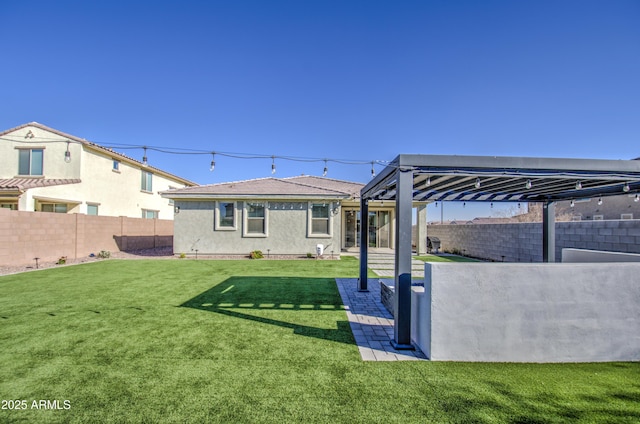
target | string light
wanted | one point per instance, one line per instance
(144, 157)
(578, 185)
(373, 171)
(636, 199)
(528, 184)
(477, 182)
(213, 162)
(324, 171)
(599, 201)
(67, 154)
(273, 165)
(572, 204)
(626, 187)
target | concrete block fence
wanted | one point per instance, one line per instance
(48, 236)
(522, 242)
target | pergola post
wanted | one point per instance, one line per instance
(421, 243)
(364, 244)
(402, 299)
(549, 232)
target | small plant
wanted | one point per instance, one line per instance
(104, 254)
(256, 254)
(309, 255)
(62, 260)
(182, 256)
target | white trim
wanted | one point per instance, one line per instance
(216, 216)
(245, 220)
(310, 233)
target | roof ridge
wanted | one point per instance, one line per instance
(318, 187)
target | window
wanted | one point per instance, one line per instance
(12, 206)
(116, 165)
(54, 207)
(226, 216)
(255, 220)
(626, 216)
(147, 180)
(171, 201)
(598, 217)
(149, 214)
(320, 219)
(92, 209)
(30, 161)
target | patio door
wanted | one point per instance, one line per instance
(352, 229)
(379, 229)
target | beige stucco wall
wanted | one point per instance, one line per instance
(286, 231)
(115, 193)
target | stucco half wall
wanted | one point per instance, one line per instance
(551, 312)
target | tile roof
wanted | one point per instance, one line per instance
(304, 186)
(22, 184)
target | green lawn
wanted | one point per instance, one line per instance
(253, 342)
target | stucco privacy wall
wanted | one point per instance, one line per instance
(522, 242)
(48, 236)
(286, 232)
(593, 256)
(528, 312)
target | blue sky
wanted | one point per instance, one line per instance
(353, 80)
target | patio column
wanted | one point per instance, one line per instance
(549, 232)
(402, 299)
(364, 244)
(421, 243)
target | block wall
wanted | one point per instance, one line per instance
(522, 242)
(48, 236)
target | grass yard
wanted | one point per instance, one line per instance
(253, 342)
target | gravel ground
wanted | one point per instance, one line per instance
(159, 253)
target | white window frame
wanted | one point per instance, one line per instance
(30, 171)
(54, 206)
(310, 219)
(218, 215)
(146, 184)
(598, 217)
(626, 216)
(245, 219)
(95, 205)
(155, 213)
(116, 166)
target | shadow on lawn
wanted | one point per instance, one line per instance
(259, 294)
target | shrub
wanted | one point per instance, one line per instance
(104, 254)
(309, 255)
(62, 260)
(256, 254)
(182, 256)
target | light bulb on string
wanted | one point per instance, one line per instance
(578, 185)
(324, 171)
(477, 182)
(213, 162)
(599, 201)
(67, 154)
(528, 184)
(373, 171)
(626, 187)
(273, 165)
(144, 157)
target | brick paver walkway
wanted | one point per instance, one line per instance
(371, 323)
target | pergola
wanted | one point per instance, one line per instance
(431, 178)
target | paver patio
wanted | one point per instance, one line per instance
(371, 323)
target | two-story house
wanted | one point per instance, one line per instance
(43, 169)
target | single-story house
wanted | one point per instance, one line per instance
(278, 216)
